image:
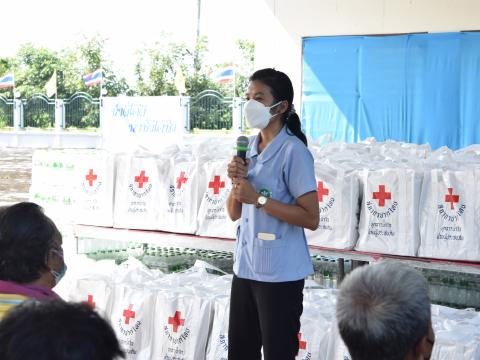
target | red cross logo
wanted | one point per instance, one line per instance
(90, 302)
(450, 198)
(129, 314)
(321, 191)
(302, 345)
(216, 184)
(91, 177)
(141, 179)
(181, 180)
(382, 195)
(176, 321)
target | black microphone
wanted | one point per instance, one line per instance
(242, 147)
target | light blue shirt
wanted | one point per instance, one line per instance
(283, 170)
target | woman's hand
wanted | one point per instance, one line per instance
(244, 192)
(237, 168)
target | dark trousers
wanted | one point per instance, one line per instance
(264, 314)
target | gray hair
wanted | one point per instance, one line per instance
(383, 311)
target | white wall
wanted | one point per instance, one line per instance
(283, 23)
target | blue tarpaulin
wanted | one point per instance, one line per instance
(419, 88)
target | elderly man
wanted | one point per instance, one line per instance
(383, 313)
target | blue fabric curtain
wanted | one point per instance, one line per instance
(419, 88)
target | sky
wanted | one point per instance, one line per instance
(127, 25)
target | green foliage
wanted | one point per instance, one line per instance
(33, 68)
(92, 56)
(245, 66)
(3, 119)
(6, 114)
(39, 112)
(156, 70)
(82, 113)
(209, 110)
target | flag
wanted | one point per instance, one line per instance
(223, 75)
(51, 85)
(180, 82)
(7, 81)
(93, 78)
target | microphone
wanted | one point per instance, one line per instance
(242, 147)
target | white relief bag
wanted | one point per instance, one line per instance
(94, 292)
(338, 200)
(182, 321)
(138, 191)
(218, 342)
(457, 334)
(179, 213)
(389, 211)
(132, 320)
(213, 218)
(449, 215)
(94, 188)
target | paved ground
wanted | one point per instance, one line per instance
(15, 174)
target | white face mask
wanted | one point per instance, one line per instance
(258, 115)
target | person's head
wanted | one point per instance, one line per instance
(383, 312)
(30, 246)
(56, 330)
(274, 89)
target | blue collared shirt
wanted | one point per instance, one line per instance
(283, 171)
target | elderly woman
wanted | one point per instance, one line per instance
(31, 255)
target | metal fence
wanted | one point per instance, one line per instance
(6, 112)
(209, 110)
(82, 111)
(38, 112)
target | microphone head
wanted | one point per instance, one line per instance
(242, 146)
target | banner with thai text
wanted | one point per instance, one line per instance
(143, 122)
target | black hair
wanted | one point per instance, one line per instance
(57, 330)
(26, 236)
(282, 89)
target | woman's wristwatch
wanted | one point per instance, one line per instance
(261, 201)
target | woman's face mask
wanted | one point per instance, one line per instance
(58, 275)
(258, 115)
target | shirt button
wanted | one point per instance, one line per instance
(246, 220)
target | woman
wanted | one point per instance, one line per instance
(31, 255)
(274, 196)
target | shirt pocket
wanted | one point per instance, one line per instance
(268, 255)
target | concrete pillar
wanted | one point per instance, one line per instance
(185, 103)
(237, 115)
(17, 114)
(59, 114)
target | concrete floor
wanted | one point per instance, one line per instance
(15, 174)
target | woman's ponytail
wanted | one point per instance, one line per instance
(293, 123)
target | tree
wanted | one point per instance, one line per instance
(92, 57)
(156, 68)
(245, 67)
